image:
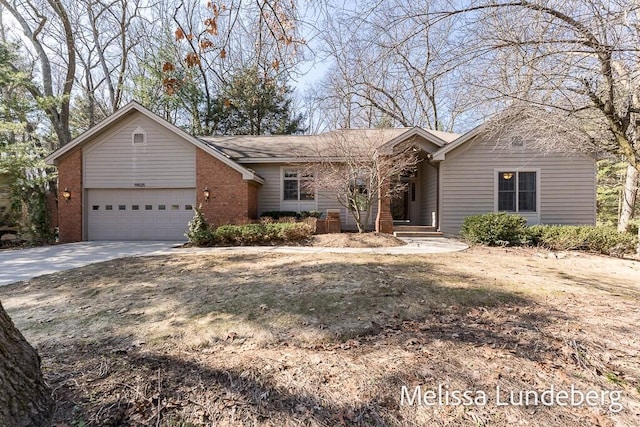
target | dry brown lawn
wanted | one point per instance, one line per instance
(249, 338)
(355, 240)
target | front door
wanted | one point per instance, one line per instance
(400, 206)
(405, 207)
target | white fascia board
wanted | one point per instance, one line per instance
(441, 154)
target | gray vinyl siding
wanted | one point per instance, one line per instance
(270, 194)
(429, 192)
(328, 201)
(112, 161)
(568, 194)
(468, 174)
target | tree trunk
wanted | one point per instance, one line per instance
(629, 194)
(25, 399)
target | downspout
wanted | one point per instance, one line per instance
(437, 224)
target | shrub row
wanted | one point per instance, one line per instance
(202, 234)
(291, 214)
(262, 234)
(502, 229)
(604, 240)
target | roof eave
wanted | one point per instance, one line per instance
(52, 158)
(387, 147)
(441, 154)
(272, 160)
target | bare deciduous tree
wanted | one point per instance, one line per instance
(47, 27)
(391, 66)
(358, 169)
(107, 34)
(577, 60)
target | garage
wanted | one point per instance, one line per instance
(139, 214)
(137, 177)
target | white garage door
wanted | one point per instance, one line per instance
(139, 214)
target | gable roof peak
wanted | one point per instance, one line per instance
(86, 136)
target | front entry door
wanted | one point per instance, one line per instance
(405, 207)
(400, 206)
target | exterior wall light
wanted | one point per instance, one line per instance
(66, 195)
(207, 194)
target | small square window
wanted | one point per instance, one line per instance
(162, 207)
(138, 138)
(108, 208)
(135, 207)
(148, 207)
(188, 207)
(95, 207)
(122, 207)
(517, 142)
(175, 207)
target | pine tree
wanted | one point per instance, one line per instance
(255, 104)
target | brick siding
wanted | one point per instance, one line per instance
(384, 219)
(70, 212)
(232, 200)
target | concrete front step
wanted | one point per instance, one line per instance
(414, 228)
(417, 234)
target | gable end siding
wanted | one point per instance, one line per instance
(113, 161)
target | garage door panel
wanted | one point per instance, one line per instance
(139, 214)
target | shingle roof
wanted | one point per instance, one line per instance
(265, 148)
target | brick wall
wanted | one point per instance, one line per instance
(232, 200)
(384, 219)
(253, 200)
(70, 212)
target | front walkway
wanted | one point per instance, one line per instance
(24, 264)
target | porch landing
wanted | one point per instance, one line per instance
(415, 231)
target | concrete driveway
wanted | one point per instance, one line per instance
(23, 264)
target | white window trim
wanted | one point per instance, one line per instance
(139, 130)
(295, 205)
(532, 217)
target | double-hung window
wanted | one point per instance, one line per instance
(297, 185)
(517, 191)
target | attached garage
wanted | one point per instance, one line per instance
(136, 177)
(139, 214)
(130, 180)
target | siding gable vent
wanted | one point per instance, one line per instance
(139, 136)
